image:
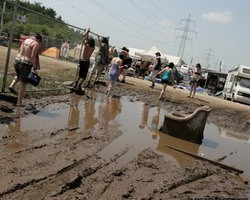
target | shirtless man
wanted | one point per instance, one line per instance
(89, 47)
(26, 60)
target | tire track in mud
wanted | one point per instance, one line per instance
(91, 143)
(68, 178)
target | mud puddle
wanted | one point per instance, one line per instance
(139, 125)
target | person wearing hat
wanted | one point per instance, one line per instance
(156, 68)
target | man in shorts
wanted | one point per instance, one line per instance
(89, 47)
(101, 59)
(156, 68)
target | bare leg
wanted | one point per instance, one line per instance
(14, 82)
(191, 90)
(164, 86)
(194, 90)
(109, 88)
(21, 93)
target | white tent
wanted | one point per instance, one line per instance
(150, 54)
(174, 59)
(133, 51)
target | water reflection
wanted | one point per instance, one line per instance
(15, 136)
(227, 133)
(182, 159)
(144, 119)
(155, 123)
(108, 112)
(153, 128)
(89, 118)
(165, 139)
(73, 120)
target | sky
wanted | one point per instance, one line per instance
(218, 30)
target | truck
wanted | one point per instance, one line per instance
(237, 86)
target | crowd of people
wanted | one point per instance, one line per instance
(107, 58)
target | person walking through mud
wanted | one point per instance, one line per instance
(195, 80)
(116, 64)
(26, 60)
(112, 53)
(167, 78)
(156, 68)
(125, 65)
(102, 59)
(138, 64)
(89, 47)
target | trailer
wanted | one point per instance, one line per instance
(237, 86)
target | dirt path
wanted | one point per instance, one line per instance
(57, 165)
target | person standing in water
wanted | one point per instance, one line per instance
(116, 65)
(26, 60)
(89, 47)
(195, 79)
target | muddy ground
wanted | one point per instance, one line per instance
(56, 166)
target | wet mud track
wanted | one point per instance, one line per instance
(62, 165)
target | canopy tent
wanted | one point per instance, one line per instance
(174, 59)
(133, 51)
(150, 54)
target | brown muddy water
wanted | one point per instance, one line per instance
(139, 125)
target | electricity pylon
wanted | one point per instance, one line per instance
(184, 36)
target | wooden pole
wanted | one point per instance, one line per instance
(238, 171)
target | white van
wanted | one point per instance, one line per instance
(237, 86)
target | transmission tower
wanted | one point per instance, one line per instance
(184, 36)
(208, 55)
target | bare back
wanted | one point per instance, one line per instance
(29, 51)
(87, 52)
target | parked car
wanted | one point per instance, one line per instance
(185, 69)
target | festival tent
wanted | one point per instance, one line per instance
(133, 51)
(174, 59)
(51, 52)
(150, 54)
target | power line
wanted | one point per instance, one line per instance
(124, 22)
(109, 11)
(109, 25)
(143, 12)
(159, 8)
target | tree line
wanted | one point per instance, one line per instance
(34, 23)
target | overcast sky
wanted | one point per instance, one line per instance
(219, 31)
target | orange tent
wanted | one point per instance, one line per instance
(51, 52)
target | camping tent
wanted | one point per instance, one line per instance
(51, 52)
(150, 54)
